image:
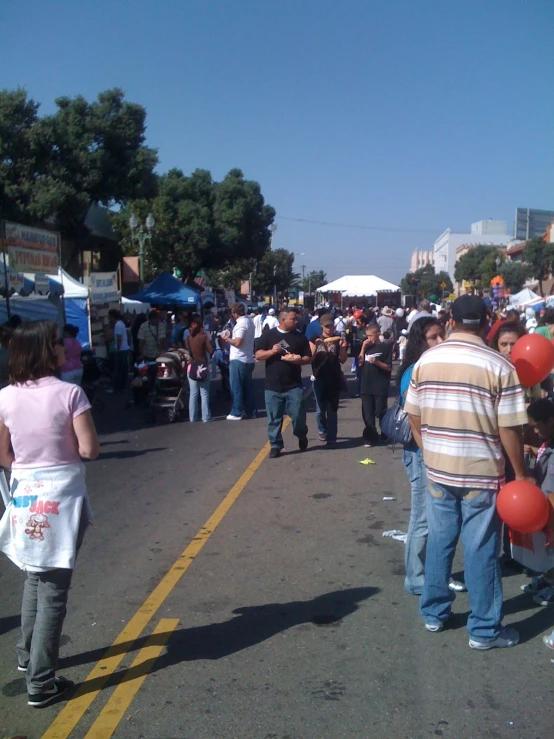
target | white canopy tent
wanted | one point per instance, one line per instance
(524, 297)
(72, 288)
(358, 286)
(134, 306)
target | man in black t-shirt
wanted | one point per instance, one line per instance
(284, 350)
(376, 363)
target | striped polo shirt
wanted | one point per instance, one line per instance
(464, 392)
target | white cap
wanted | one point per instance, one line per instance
(400, 313)
(271, 312)
(530, 312)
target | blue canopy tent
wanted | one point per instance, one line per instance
(168, 290)
(35, 309)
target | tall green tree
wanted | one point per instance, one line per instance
(515, 275)
(539, 256)
(54, 167)
(275, 269)
(222, 227)
(470, 266)
(313, 281)
(425, 282)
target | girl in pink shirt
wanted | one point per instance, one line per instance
(46, 429)
(72, 368)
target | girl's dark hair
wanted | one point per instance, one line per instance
(195, 326)
(541, 410)
(5, 335)
(70, 329)
(32, 352)
(507, 328)
(416, 343)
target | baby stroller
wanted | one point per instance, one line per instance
(170, 390)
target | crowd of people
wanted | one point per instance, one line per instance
(473, 427)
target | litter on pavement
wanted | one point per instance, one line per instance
(367, 461)
(388, 497)
(396, 534)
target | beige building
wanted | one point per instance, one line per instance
(421, 259)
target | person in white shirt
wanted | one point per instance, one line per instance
(258, 324)
(340, 323)
(121, 339)
(423, 312)
(271, 321)
(241, 365)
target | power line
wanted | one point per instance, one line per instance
(363, 227)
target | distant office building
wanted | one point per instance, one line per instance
(420, 259)
(488, 233)
(531, 222)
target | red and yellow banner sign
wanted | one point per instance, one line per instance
(31, 249)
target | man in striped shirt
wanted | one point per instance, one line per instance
(465, 403)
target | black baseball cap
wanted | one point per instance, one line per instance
(469, 310)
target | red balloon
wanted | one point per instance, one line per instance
(533, 358)
(523, 507)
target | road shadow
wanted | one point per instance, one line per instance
(539, 622)
(128, 454)
(110, 443)
(119, 416)
(249, 626)
(9, 623)
(352, 443)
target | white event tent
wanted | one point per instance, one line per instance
(358, 286)
(525, 297)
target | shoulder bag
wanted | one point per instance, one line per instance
(396, 425)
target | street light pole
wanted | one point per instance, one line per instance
(141, 235)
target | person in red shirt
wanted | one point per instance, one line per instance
(512, 316)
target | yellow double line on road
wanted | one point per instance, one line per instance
(111, 715)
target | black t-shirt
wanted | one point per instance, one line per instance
(282, 376)
(376, 381)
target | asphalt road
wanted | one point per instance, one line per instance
(285, 619)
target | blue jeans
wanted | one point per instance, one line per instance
(202, 390)
(242, 388)
(326, 417)
(472, 513)
(416, 542)
(277, 404)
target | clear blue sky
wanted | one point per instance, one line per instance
(414, 114)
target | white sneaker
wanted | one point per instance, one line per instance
(434, 628)
(456, 585)
(234, 418)
(508, 637)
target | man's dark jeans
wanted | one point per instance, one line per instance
(121, 370)
(291, 403)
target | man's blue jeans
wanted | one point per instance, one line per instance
(242, 388)
(277, 404)
(326, 417)
(470, 512)
(416, 542)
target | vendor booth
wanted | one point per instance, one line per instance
(40, 298)
(362, 288)
(167, 290)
